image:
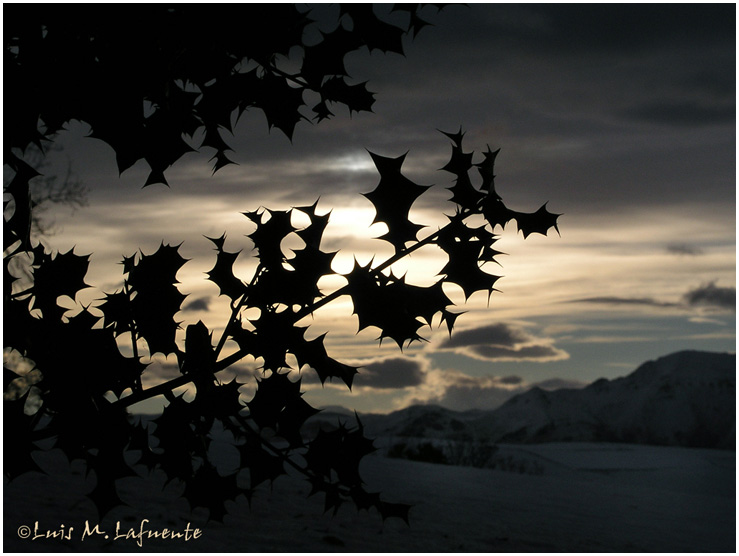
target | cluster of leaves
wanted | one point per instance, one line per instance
(146, 79)
(88, 382)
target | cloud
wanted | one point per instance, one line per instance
(393, 373)
(502, 342)
(613, 300)
(199, 304)
(458, 391)
(396, 372)
(682, 113)
(512, 379)
(599, 27)
(712, 295)
(707, 295)
(493, 334)
(531, 352)
(683, 249)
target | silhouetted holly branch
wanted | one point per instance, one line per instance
(85, 399)
(188, 76)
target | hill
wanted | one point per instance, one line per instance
(687, 398)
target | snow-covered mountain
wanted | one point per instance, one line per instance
(687, 398)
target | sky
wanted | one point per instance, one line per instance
(620, 117)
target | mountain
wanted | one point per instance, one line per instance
(687, 398)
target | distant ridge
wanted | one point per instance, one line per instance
(687, 398)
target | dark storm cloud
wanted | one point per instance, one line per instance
(713, 296)
(391, 373)
(501, 341)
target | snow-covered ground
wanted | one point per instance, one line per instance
(584, 497)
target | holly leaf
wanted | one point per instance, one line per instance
(139, 441)
(321, 112)
(425, 302)
(178, 441)
(262, 465)
(460, 162)
(199, 355)
(105, 439)
(221, 160)
(208, 489)
(117, 312)
(105, 495)
(278, 404)
(487, 172)
(63, 274)
(280, 102)
(163, 144)
(464, 269)
(450, 319)
(313, 233)
(291, 420)
(538, 222)
(269, 235)
(356, 97)
(220, 401)
(214, 140)
(156, 270)
(274, 335)
(463, 192)
(234, 91)
(310, 265)
(17, 443)
(273, 395)
(376, 33)
(339, 451)
(393, 198)
(313, 353)
(154, 318)
(387, 303)
(157, 298)
(71, 378)
(327, 56)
